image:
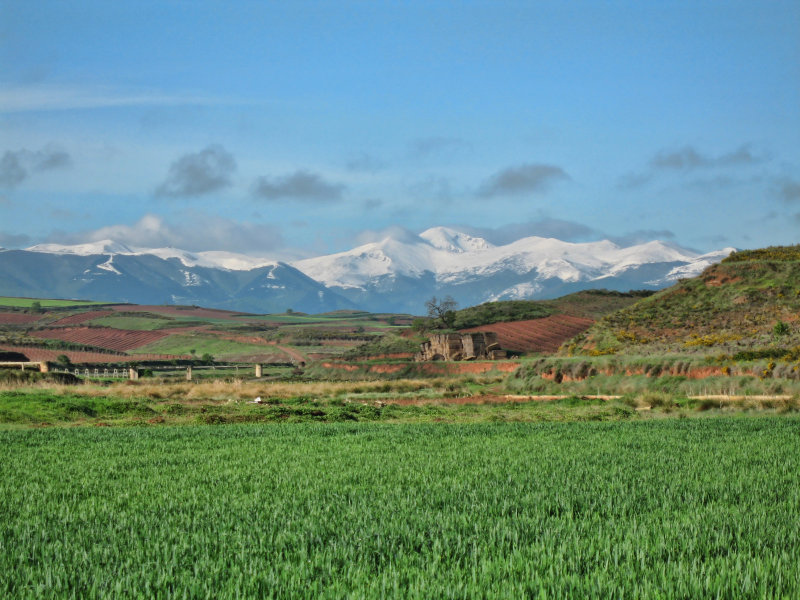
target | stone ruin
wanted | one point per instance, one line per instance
(461, 346)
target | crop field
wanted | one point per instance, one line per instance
(80, 356)
(136, 322)
(189, 312)
(537, 335)
(119, 340)
(660, 509)
(206, 343)
(17, 318)
(81, 317)
(45, 303)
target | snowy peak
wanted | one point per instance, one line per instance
(357, 267)
(451, 240)
(398, 272)
(214, 259)
(88, 249)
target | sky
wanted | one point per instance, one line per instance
(294, 129)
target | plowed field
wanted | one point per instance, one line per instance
(536, 335)
(120, 340)
(174, 311)
(82, 317)
(16, 318)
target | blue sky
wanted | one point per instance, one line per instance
(299, 128)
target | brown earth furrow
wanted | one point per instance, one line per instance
(175, 311)
(81, 357)
(120, 340)
(79, 318)
(17, 318)
(536, 335)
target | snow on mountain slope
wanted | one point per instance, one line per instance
(88, 249)
(451, 240)
(398, 273)
(214, 259)
(453, 257)
(693, 268)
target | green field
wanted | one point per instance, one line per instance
(663, 509)
(220, 348)
(28, 302)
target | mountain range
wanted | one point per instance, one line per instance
(395, 274)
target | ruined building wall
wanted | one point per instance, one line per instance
(461, 346)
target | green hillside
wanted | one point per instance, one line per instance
(747, 306)
(592, 304)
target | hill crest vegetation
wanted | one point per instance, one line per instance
(748, 303)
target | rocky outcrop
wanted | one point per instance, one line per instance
(461, 346)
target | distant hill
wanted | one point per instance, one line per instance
(750, 302)
(151, 279)
(591, 304)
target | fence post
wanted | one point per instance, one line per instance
(133, 374)
(188, 373)
(258, 370)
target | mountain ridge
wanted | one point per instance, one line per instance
(396, 273)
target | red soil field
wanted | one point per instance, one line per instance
(174, 311)
(119, 340)
(16, 318)
(82, 317)
(77, 356)
(536, 335)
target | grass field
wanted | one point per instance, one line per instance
(28, 302)
(204, 344)
(662, 509)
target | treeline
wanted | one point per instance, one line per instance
(499, 312)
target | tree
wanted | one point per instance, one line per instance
(443, 311)
(36, 307)
(63, 361)
(207, 358)
(420, 325)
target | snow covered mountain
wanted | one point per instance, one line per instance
(162, 276)
(213, 259)
(401, 274)
(390, 275)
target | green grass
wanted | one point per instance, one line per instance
(28, 302)
(27, 407)
(731, 306)
(204, 344)
(32, 407)
(665, 509)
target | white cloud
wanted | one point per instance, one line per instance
(64, 97)
(195, 232)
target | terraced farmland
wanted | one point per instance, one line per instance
(119, 340)
(82, 317)
(537, 335)
(17, 318)
(81, 356)
(190, 312)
